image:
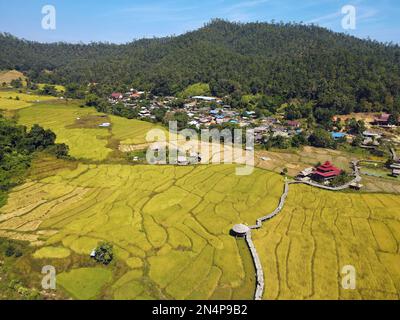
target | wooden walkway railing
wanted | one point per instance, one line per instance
(394, 155)
(256, 259)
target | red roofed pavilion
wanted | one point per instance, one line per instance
(116, 95)
(326, 171)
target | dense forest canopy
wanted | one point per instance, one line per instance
(285, 61)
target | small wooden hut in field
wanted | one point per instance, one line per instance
(240, 230)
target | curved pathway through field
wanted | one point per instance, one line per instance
(259, 270)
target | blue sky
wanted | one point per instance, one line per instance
(123, 20)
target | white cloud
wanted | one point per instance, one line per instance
(325, 18)
(247, 4)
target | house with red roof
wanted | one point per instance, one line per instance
(135, 95)
(293, 124)
(116, 96)
(326, 171)
(382, 120)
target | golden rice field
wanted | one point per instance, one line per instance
(169, 226)
(8, 100)
(131, 131)
(84, 138)
(83, 142)
(304, 249)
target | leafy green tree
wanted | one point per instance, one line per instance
(39, 138)
(180, 117)
(299, 140)
(321, 138)
(341, 180)
(48, 90)
(279, 142)
(292, 112)
(355, 127)
(60, 150)
(159, 113)
(357, 141)
(104, 253)
(324, 117)
(92, 100)
(394, 118)
(16, 83)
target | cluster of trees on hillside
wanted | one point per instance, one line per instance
(17, 145)
(282, 61)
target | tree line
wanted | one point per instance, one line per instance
(17, 147)
(340, 73)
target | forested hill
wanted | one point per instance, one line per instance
(283, 60)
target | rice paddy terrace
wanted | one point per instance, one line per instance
(318, 232)
(170, 225)
(13, 100)
(79, 128)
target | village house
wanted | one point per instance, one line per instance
(395, 169)
(371, 139)
(338, 135)
(371, 134)
(305, 174)
(135, 95)
(382, 120)
(117, 96)
(280, 131)
(182, 161)
(293, 124)
(205, 98)
(261, 129)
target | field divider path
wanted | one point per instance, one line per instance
(259, 222)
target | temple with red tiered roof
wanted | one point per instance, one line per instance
(326, 171)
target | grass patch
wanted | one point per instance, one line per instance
(13, 100)
(59, 88)
(51, 253)
(84, 143)
(131, 131)
(85, 283)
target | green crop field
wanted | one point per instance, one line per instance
(59, 88)
(169, 225)
(52, 253)
(84, 283)
(8, 100)
(78, 128)
(304, 249)
(132, 132)
(84, 143)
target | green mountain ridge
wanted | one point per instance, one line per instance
(282, 60)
